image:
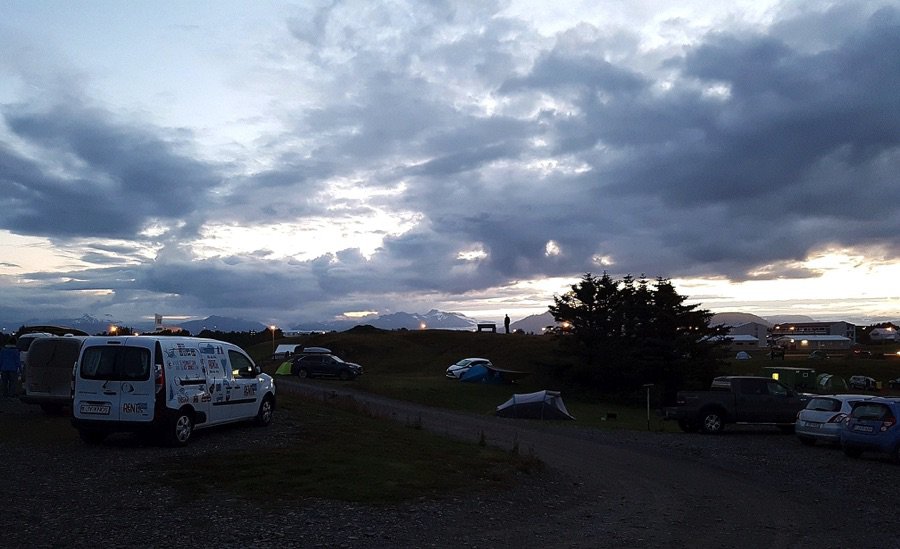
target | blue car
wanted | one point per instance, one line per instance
(872, 427)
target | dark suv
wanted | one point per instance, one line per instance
(327, 366)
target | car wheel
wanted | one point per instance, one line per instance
(303, 373)
(852, 452)
(345, 375)
(91, 437)
(807, 441)
(266, 411)
(687, 426)
(180, 428)
(712, 422)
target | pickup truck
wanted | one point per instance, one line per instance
(737, 399)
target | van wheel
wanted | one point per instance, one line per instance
(266, 411)
(91, 437)
(179, 429)
(303, 373)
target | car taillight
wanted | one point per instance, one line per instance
(838, 418)
(160, 378)
(887, 423)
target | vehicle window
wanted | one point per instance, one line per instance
(755, 387)
(776, 389)
(824, 405)
(116, 363)
(24, 343)
(240, 364)
(871, 411)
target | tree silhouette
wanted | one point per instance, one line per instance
(633, 332)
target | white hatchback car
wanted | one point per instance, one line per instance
(456, 371)
(824, 416)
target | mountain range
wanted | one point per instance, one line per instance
(433, 319)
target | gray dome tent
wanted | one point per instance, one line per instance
(540, 405)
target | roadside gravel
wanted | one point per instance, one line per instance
(601, 488)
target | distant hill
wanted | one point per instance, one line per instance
(533, 324)
(433, 319)
(736, 319)
(222, 324)
(787, 319)
(86, 323)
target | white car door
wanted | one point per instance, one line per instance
(244, 386)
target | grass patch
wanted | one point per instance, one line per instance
(28, 425)
(342, 455)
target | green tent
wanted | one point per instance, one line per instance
(284, 369)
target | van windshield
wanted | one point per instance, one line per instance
(116, 363)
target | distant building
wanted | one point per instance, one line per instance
(758, 332)
(159, 327)
(883, 334)
(801, 329)
(742, 342)
(810, 343)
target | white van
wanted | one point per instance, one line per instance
(166, 385)
(47, 371)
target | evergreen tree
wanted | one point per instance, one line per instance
(632, 332)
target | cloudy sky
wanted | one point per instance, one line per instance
(285, 162)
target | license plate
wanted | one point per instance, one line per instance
(95, 409)
(863, 428)
(812, 424)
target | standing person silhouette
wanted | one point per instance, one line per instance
(506, 323)
(10, 368)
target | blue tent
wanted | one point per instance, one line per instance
(483, 373)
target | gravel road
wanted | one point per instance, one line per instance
(601, 488)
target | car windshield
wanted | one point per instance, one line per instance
(337, 359)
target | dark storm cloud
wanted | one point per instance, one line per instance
(103, 179)
(801, 145)
(521, 156)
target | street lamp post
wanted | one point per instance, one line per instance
(273, 328)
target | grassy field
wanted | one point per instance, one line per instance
(410, 365)
(345, 455)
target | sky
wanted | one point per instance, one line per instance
(290, 162)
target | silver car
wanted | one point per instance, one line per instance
(824, 416)
(455, 371)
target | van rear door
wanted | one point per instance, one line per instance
(114, 384)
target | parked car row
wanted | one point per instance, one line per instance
(859, 423)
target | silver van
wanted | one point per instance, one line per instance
(47, 377)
